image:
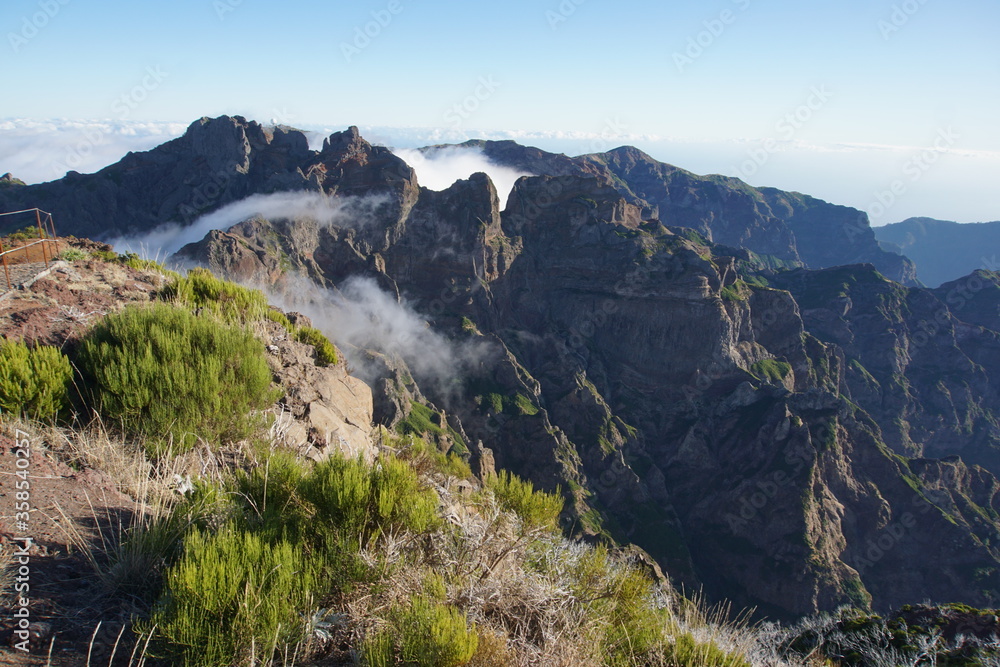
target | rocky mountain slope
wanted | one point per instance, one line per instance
(794, 440)
(942, 250)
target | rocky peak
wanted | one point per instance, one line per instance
(8, 180)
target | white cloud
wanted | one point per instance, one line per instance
(43, 150)
(359, 316)
(342, 211)
(439, 169)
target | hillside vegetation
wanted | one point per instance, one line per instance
(266, 557)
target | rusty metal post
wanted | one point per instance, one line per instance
(41, 239)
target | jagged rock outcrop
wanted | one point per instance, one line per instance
(785, 228)
(216, 162)
(324, 409)
(222, 160)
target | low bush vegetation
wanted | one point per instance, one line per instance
(34, 382)
(772, 370)
(536, 509)
(233, 599)
(72, 255)
(326, 354)
(174, 377)
(199, 289)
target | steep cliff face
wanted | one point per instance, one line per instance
(785, 228)
(926, 377)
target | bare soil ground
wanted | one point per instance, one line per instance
(75, 510)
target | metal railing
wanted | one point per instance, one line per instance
(46, 236)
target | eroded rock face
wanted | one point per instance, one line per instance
(924, 375)
(324, 409)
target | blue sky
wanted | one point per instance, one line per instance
(851, 91)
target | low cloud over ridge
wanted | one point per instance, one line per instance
(438, 170)
(342, 211)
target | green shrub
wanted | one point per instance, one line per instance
(271, 497)
(537, 509)
(34, 382)
(240, 305)
(276, 315)
(353, 498)
(229, 593)
(686, 651)
(26, 234)
(72, 255)
(635, 627)
(105, 255)
(435, 634)
(326, 353)
(422, 455)
(232, 302)
(172, 376)
(429, 634)
(133, 261)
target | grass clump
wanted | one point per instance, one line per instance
(34, 382)
(133, 261)
(772, 370)
(175, 377)
(686, 651)
(199, 289)
(326, 353)
(233, 599)
(352, 498)
(427, 633)
(536, 509)
(72, 255)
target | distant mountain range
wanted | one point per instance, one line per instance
(943, 250)
(738, 380)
